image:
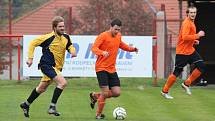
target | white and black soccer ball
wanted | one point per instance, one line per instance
(119, 113)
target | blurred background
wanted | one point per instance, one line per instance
(158, 18)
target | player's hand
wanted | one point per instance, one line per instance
(29, 62)
(105, 54)
(74, 54)
(136, 50)
(201, 33)
(196, 42)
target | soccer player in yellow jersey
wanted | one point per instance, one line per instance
(51, 63)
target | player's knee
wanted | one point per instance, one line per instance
(116, 94)
(105, 94)
(63, 84)
(40, 89)
(201, 67)
(177, 71)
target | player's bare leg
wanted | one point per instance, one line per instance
(114, 92)
(101, 102)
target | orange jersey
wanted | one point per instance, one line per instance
(186, 38)
(105, 42)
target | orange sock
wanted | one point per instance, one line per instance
(101, 104)
(194, 75)
(109, 94)
(97, 95)
(170, 81)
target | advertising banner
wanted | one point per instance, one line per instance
(129, 64)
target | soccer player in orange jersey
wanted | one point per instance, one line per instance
(106, 48)
(186, 54)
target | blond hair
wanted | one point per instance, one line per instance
(56, 20)
(190, 7)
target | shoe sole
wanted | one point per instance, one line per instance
(24, 110)
(183, 86)
(55, 114)
(100, 117)
(92, 101)
(165, 97)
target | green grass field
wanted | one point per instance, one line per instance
(142, 101)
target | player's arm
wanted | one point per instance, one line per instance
(71, 49)
(95, 47)
(186, 36)
(200, 34)
(196, 42)
(34, 43)
(126, 47)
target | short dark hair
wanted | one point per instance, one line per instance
(116, 22)
(56, 20)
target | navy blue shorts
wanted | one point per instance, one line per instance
(48, 70)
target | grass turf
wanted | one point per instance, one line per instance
(142, 101)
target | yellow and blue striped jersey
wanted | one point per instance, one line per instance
(53, 49)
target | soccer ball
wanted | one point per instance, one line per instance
(119, 113)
